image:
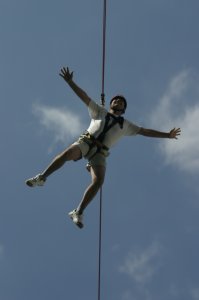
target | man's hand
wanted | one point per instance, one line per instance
(174, 133)
(66, 74)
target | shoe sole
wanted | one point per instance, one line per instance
(80, 225)
(29, 183)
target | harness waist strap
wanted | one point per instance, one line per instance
(95, 141)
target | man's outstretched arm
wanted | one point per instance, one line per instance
(173, 134)
(68, 77)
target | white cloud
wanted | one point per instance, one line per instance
(195, 293)
(179, 107)
(127, 295)
(62, 123)
(142, 265)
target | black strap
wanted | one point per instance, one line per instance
(116, 120)
(107, 127)
(119, 120)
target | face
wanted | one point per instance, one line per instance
(118, 104)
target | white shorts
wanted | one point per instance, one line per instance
(94, 160)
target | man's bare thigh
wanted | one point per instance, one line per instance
(73, 152)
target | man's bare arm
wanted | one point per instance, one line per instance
(68, 77)
(173, 134)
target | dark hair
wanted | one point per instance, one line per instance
(122, 98)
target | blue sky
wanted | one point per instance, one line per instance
(150, 196)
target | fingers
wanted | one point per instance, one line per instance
(62, 74)
(65, 73)
(177, 132)
(174, 133)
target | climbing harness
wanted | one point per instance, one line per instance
(98, 142)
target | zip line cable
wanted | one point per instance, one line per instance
(102, 103)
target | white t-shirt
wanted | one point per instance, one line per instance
(115, 133)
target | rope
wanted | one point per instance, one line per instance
(100, 247)
(102, 103)
(103, 53)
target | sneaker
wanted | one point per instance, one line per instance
(38, 180)
(77, 218)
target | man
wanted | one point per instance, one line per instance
(105, 129)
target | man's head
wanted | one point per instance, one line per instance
(118, 104)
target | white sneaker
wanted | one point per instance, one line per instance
(38, 180)
(77, 218)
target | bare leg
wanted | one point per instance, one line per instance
(97, 176)
(71, 153)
